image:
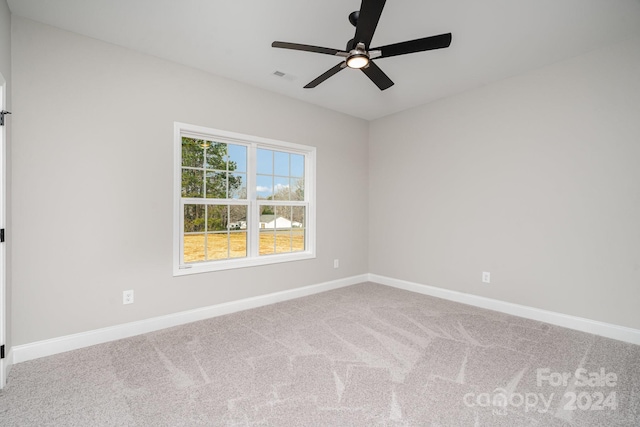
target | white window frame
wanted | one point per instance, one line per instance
(253, 227)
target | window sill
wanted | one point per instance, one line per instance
(206, 267)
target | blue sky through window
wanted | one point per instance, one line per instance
(275, 168)
(238, 154)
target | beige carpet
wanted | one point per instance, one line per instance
(366, 355)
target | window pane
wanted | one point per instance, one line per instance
(193, 248)
(264, 186)
(297, 165)
(281, 163)
(297, 239)
(217, 246)
(267, 242)
(238, 244)
(192, 152)
(237, 158)
(237, 238)
(265, 161)
(297, 189)
(216, 154)
(267, 217)
(283, 241)
(237, 217)
(237, 186)
(216, 185)
(267, 228)
(281, 188)
(283, 225)
(217, 217)
(283, 214)
(192, 183)
(194, 221)
(194, 218)
(297, 217)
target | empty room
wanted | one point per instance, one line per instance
(338, 213)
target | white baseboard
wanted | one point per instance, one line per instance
(608, 330)
(22, 353)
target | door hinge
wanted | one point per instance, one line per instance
(2, 113)
(1, 235)
(2, 351)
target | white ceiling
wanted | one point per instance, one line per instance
(492, 40)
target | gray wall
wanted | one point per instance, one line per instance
(535, 179)
(5, 70)
(93, 168)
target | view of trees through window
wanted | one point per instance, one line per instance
(216, 205)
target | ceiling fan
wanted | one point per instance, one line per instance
(358, 54)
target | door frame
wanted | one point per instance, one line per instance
(3, 217)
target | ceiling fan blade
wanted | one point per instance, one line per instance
(377, 76)
(326, 75)
(307, 48)
(370, 12)
(419, 45)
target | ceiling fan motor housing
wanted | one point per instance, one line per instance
(353, 18)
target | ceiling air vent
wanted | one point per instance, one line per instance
(288, 77)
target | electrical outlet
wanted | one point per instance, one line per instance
(127, 297)
(486, 277)
(336, 263)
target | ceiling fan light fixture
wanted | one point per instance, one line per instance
(358, 60)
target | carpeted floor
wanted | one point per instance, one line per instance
(366, 355)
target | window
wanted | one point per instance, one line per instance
(240, 200)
